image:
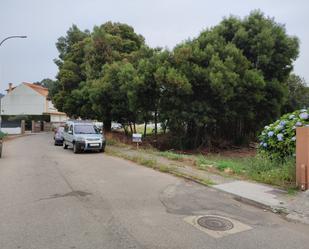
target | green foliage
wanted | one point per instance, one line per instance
(298, 94)
(207, 89)
(51, 85)
(272, 171)
(235, 69)
(279, 138)
(2, 134)
(259, 168)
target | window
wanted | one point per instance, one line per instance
(85, 129)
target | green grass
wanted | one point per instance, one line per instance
(272, 172)
(172, 155)
(234, 165)
(256, 168)
(152, 163)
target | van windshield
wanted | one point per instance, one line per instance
(85, 129)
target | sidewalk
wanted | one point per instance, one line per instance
(295, 207)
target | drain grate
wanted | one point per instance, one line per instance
(215, 223)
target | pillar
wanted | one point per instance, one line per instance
(302, 157)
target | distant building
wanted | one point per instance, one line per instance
(31, 100)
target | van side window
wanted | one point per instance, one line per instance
(71, 128)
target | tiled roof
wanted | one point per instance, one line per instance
(41, 90)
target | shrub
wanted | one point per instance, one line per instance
(2, 134)
(278, 139)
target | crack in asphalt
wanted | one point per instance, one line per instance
(75, 193)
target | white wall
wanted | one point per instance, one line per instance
(55, 118)
(23, 101)
(11, 131)
(51, 107)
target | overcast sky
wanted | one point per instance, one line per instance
(162, 22)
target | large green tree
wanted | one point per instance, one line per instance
(223, 85)
(237, 71)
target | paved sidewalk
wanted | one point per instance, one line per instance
(295, 207)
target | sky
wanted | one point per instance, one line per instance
(163, 23)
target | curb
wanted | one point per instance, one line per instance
(245, 200)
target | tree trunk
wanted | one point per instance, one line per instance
(107, 124)
(134, 126)
(125, 129)
(131, 128)
(156, 123)
(145, 129)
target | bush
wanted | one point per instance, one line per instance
(278, 140)
(2, 134)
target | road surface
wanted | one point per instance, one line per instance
(54, 199)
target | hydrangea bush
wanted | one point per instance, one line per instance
(278, 139)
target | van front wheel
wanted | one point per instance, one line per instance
(75, 149)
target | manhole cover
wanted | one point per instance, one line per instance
(215, 223)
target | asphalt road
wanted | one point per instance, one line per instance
(54, 199)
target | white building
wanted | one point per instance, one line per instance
(30, 99)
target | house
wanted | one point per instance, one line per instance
(31, 102)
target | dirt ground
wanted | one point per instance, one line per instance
(233, 151)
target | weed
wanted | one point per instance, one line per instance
(172, 155)
(164, 168)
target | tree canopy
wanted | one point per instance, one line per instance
(225, 84)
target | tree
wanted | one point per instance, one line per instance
(298, 94)
(236, 70)
(82, 57)
(222, 86)
(110, 93)
(51, 85)
(71, 69)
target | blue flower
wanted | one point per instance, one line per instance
(264, 145)
(280, 137)
(270, 133)
(292, 116)
(279, 127)
(304, 115)
(298, 123)
(282, 123)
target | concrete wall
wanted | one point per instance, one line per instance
(12, 131)
(23, 101)
(56, 118)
